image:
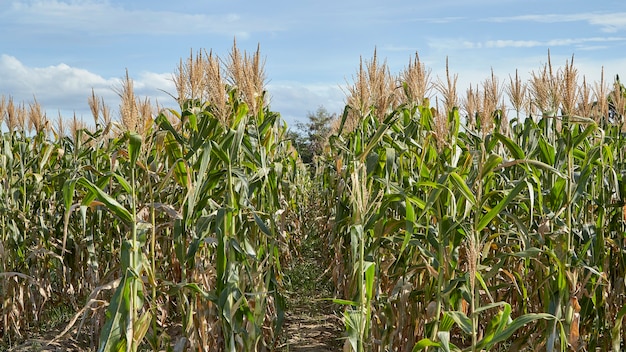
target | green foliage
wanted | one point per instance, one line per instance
(187, 224)
(443, 232)
(313, 134)
(457, 225)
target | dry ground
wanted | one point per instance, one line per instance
(41, 341)
(313, 327)
(312, 322)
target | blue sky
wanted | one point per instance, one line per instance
(58, 50)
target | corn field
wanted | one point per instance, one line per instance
(488, 222)
(167, 231)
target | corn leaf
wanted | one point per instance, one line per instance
(425, 343)
(111, 335)
(370, 273)
(461, 320)
(513, 148)
(510, 329)
(616, 331)
(134, 147)
(460, 184)
(111, 204)
(486, 219)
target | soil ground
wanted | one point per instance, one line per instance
(313, 331)
(312, 322)
(41, 341)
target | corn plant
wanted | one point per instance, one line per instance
(450, 227)
(186, 219)
(467, 208)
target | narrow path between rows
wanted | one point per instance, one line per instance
(312, 323)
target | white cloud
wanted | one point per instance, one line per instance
(150, 83)
(102, 17)
(57, 81)
(294, 100)
(608, 22)
(66, 89)
(507, 43)
(400, 18)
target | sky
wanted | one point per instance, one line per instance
(57, 51)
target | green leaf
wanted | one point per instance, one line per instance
(122, 181)
(410, 221)
(581, 184)
(444, 338)
(198, 198)
(492, 162)
(616, 336)
(462, 320)
(220, 153)
(164, 124)
(460, 184)
(582, 136)
(68, 194)
(352, 320)
(490, 306)
(499, 321)
(483, 284)
(486, 219)
(174, 151)
(513, 327)
(111, 204)
(370, 274)
(513, 148)
(548, 152)
(134, 147)
(193, 121)
(531, 252)
(344, 302)
(373, 141)
(424, 343)
(194, 287)
(390, 156)
(111, 336)
(262, 225)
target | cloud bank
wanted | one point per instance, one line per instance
(65, 89)
(608, 22)
(105, 18)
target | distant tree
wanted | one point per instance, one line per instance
(313, 134)
(301, 143)
(317, 129)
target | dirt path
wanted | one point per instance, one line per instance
(313, 330)
(312, 323)
(41, 342)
